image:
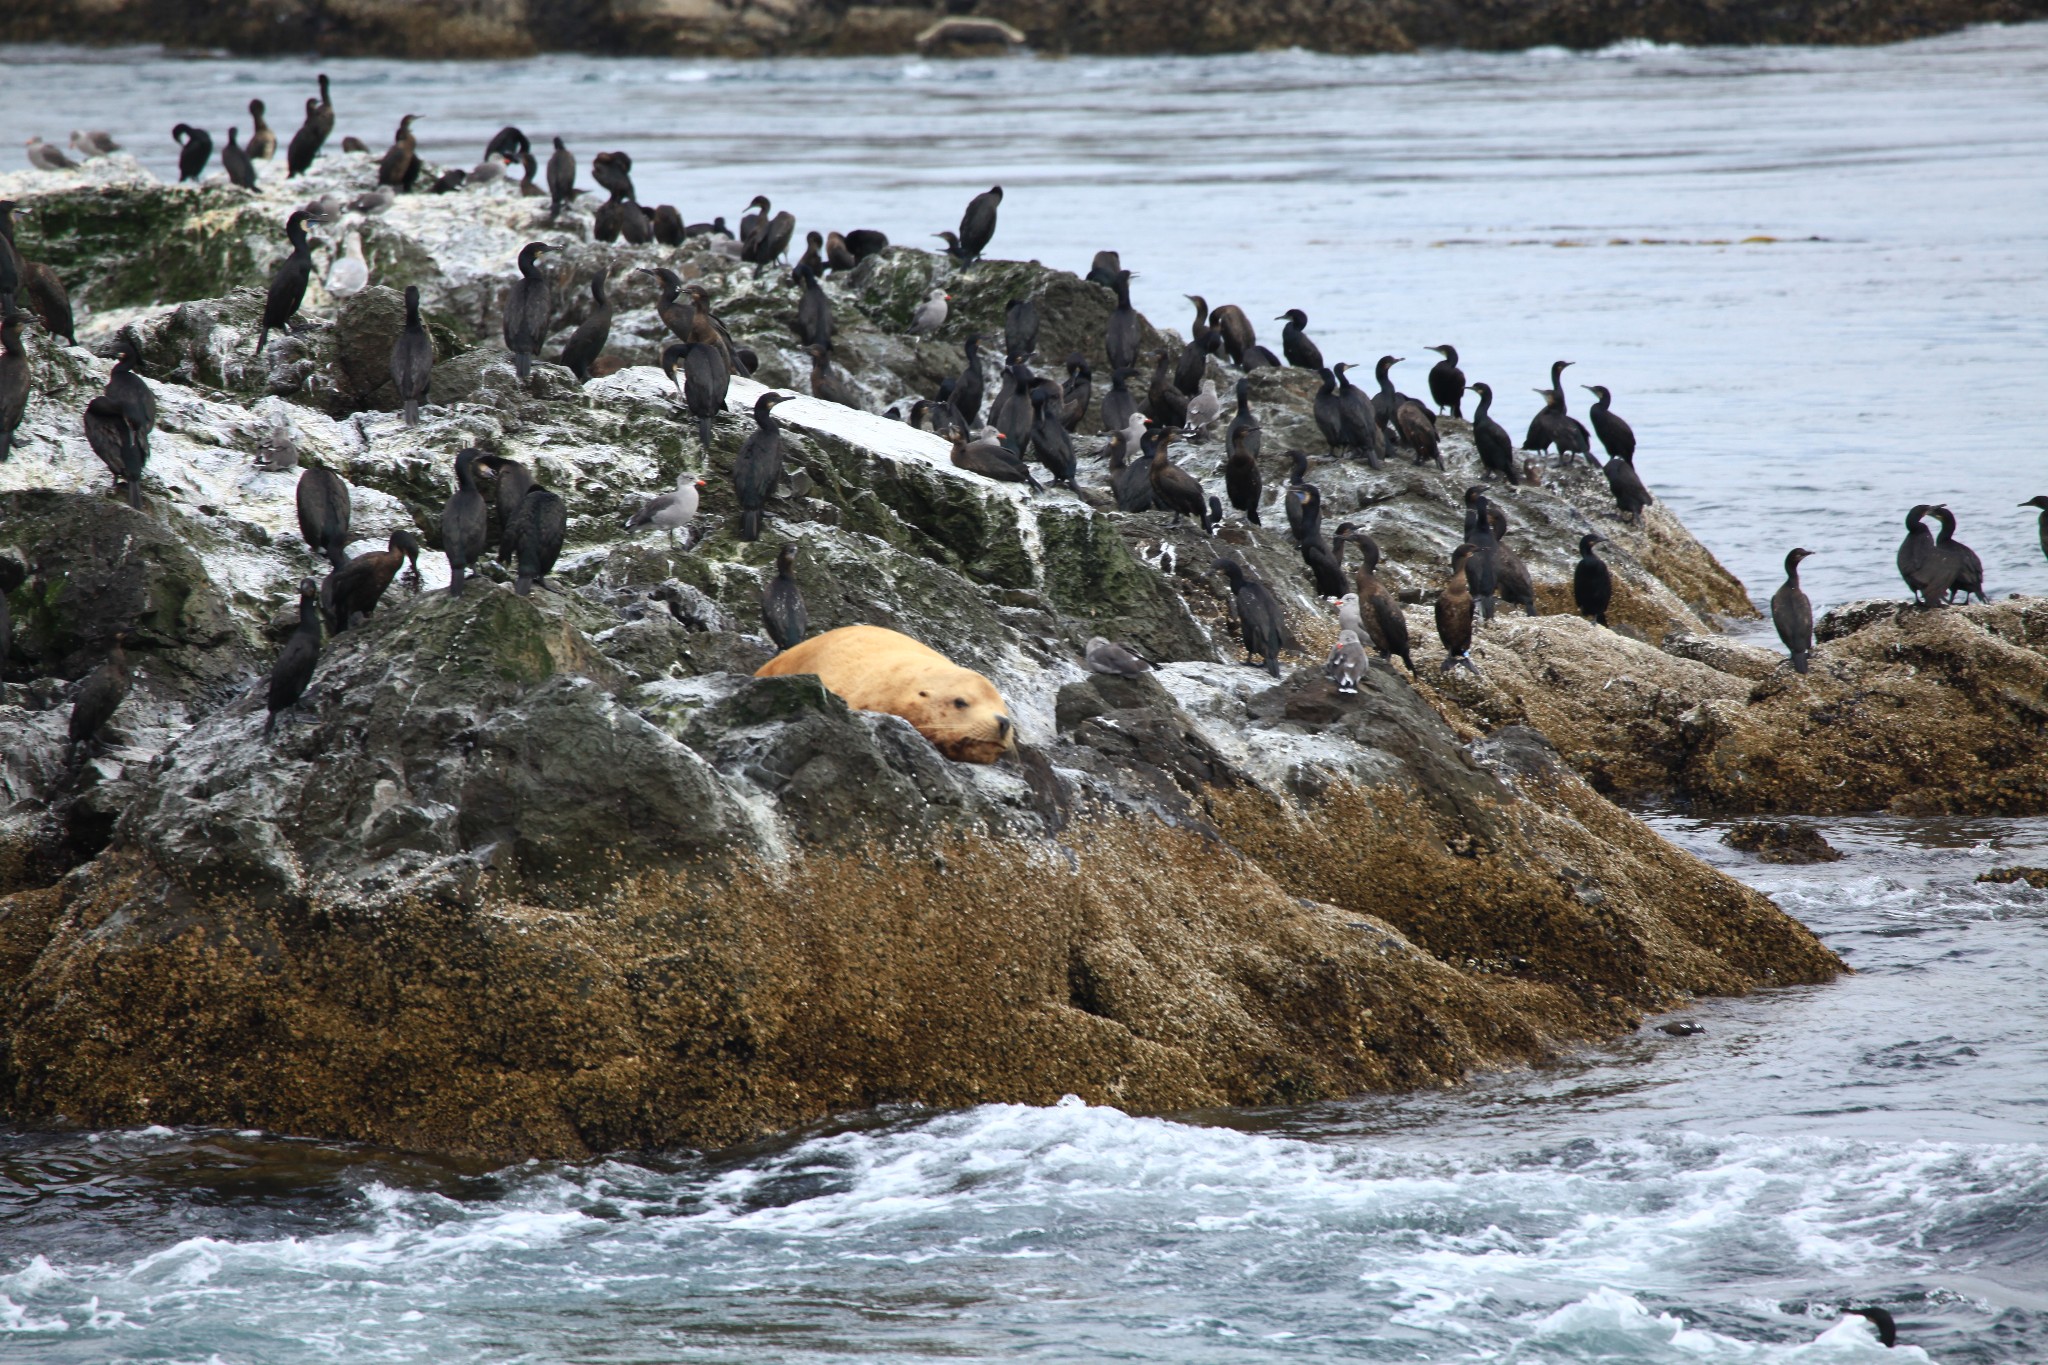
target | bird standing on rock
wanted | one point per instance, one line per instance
(101, 694)
(1792, 613)
(412, 359)
(706, 381)
(13, 382)
(1454, 613)
(758, 467)
(782, 603)
(1262, 624)
(2036, 501)
(930, 315)
(401, 163)
(1496, 448)
(323, 507)
(354, 590)
(1386, 625)
(1301, 353)
(312, 134)
(977, 227)
(1592, 582)
(234, 159)
(465, 522)
(529, 308)
(538, 530)
(1616, 436)
(1173, 488)
(1104, 656)
(288, 282)
(1915, 551)
(673, 511)
(195, 149)
(262, 143)
(509, 482)
(1120, 334)
(1447, 381)
(561, 178)
(301, 655)
(584, 346)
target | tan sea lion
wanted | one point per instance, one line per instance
(873, 669)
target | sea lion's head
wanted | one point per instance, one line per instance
(962, 714)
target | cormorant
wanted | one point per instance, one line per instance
(1386, 625)
(1629, 494)
(930, 315)
(1107, 657)
(991, 460)
(706, 380)
(828, 386)
(1102, 270)
(977, 226)
(1244, 432)
(1076, 392)
(355, 589)
(401, 160)
(866, 242)
(287, 282)
(1011, 411)
(195, 149)
(1482, 567)
(667, 225)
(1418, 430)
(782, 604)
(324, 513)
(613, 171)
(537, 532)
(1915, 551)
(529, 307)
(1447, 381)
(12, 267)
(1049, 438)
(1954, 561)
(1173, 488)
(838, 255)
(1120, 334)
(1020, 329)
(1887, 1327)
(813, 258)
(2042, 503)
(1454, 613)
(312, 134)
(676, 313)
(529, 169)
(1236, 330)
(1616, 436)
(580, 352)
(1360, 431)
(234, 159)
(1192, 365)
(1792, 613)
(1496, 447)
(1163, 402)
(813, 312)
(561, 178)
(769, 240)
(301, 654)
(1259, 616)
(1325, 564)
(1387, 399)
(1118, 407)
(412, 359)
(508, 144)
(967, 389)
(751, 223)
(1301, 353)
(1130, 481)
(1297, 478)
(758, 467)
(1510, 573)
(102, 693)
(1593, 583)
(1329, 413)
(671, 511)
(114, 439)
(509, 482)
(13, 383)
(262, 143)
(465, 522)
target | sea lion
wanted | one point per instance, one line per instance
(873, 669)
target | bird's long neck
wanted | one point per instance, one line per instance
(1485, 402)
(1557, 384)
(1380, 371)
(1600, 402)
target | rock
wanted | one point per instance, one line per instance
(2036, 877)
(556, 874)
(1775, 841)
(1682, 1028)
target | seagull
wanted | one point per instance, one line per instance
(1347, 663)
(1105, 656)
(374, 201)
(45, 157)
(94, 143)
(670, 511)
(323, 210)
(350, 273)
(931, 314)
(1204, 407)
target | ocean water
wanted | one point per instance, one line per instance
(1710, 1198)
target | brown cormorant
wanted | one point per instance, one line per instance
(977, 226)
(1235, 328)
(1163, 402)
(1510, 573)
(1361, 432)
(1629, 494)
(1496, 447)
(782, 604)
(298, 659)
(312, 134)
(102, 693)
(401, 160)
(1386, 625)
(667, 225)
(1792, 613)
(1173, 488)
(1593, 583)
(1447, 381)
(323, 504)
(1263, 624)
(757, 469)
(584, 346)
(1120, 334)
(561, 178)
(537, 533)
(1049, 438)
(195, 149)
(814, 323)
(262, 141)
(706, 380)
(529, 308)
(1301, 353)
(1242, 478)
(1102, 270)
(1616, 436)
(465, 522)
(287, 282)
(991, 460)
(412, 359)
(234, 159)
(613, 171)
(354, 590)
(1954, 561)
(1418, 431)
(1192, 365)
(1454, 613)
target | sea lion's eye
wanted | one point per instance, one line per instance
(960, 702)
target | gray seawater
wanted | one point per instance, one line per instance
(1714, 1198)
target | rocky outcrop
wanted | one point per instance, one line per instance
(493, 28)
(556, 874)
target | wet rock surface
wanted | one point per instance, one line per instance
(554, 874)
(1775, 841)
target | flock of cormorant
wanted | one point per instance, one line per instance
(1031, 419)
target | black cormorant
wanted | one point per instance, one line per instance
(1259, 616)
(234, 159)
(1915, 551)
(1593, 583)
(323, 504)
(102, 693)
(1447, 381)
(1120, 334)
(814, 324)
(465, 522)
(412, 359)
(1955, 562)
(2042, 503)
(537, 533)
(1118, 407)
(1792, 613)
(758, 467)
(1235, 328)
(1361, 432)
(977, 225)
(287, 282)
(705, 383)
(195, 149)
(561, 178)
(1616, 436)
(298, 659)
(1301, 353)
(1049, 438)
(1075, 393)
(782, 604)
(1020, 329)
(580, 352)
(529, 308)
(1629, 494)
(1496, 447)
(312, 134)
(13, 380)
